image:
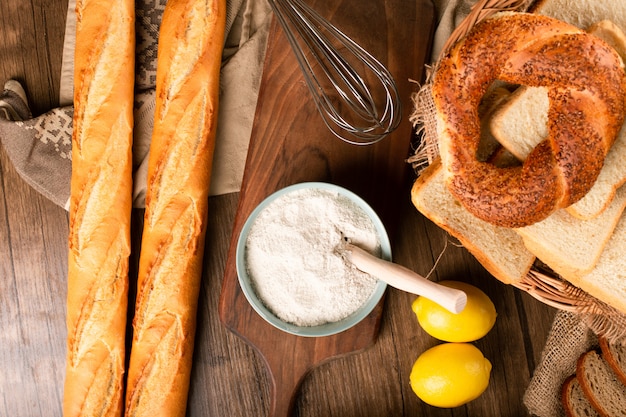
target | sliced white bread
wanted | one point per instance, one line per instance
(574, 401)
(583, 13)
(607, 280)
(500, 250)
(520, 124)
(600, 385)
(615, 356)
(570, 246)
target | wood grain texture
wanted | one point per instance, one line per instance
(290, 136)
(30, 48)
(229, 377)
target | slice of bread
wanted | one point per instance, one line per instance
(574, 401)
(500, 250)
(600, 385)
(520, 124)
(615, 356)
(583, 13)
(570, 246)
(607, 280)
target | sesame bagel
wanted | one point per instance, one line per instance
(586, 87)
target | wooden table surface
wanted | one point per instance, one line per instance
(229, 377)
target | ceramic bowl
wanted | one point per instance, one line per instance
(326, 329)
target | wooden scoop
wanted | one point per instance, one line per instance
(402, 278)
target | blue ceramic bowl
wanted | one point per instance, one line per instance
(326, 329)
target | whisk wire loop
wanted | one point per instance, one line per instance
(341, 93)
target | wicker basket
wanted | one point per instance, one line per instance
(541, 283)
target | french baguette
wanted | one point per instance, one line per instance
(100, 208)
(188, 67)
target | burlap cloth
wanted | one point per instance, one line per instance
(39, 147)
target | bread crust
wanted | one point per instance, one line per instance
(569, 402)
(100, 208)
(589, 389)
(587, 108)
(609, 356)
(181, 153)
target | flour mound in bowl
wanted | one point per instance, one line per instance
(291, 258)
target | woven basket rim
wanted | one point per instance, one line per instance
(481, 10)
(559, 293)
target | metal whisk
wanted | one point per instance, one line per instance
(355, 94)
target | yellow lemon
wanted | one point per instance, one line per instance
(450, 375)
(472, 323)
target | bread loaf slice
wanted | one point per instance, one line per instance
(607, 280)
(571, 246)
(615, 356)
(100, 208)
(191, 40)
(520, 125)
(600, 385)
(500, 250)
(574, 401)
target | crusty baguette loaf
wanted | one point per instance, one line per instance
(181, 152)
(600, 385)
(574, 401)
(100, 207)
(500, 250)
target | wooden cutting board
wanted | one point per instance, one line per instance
(291, 144)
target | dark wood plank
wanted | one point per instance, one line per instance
(32, 230)
(289, 136)
(228, 376)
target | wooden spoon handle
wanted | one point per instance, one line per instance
(404, 279)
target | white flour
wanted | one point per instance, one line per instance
(291, 257)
